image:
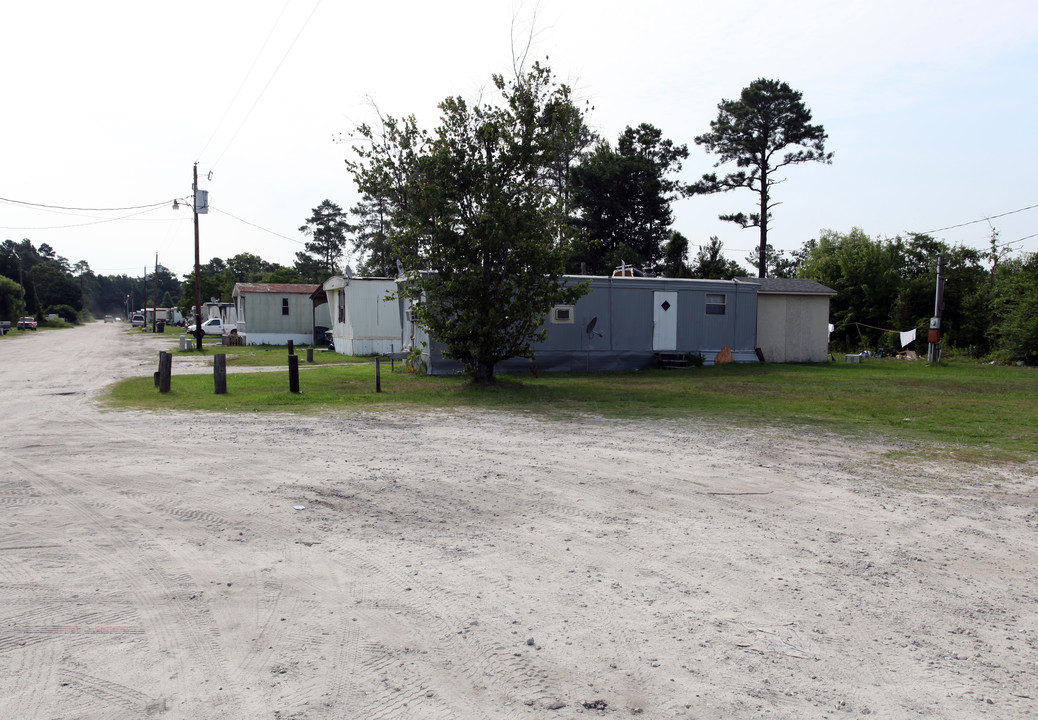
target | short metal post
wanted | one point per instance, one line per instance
(378, 374)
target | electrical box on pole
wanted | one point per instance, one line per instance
(201, 201)
(934, 349)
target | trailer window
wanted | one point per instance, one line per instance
(716, 304)
(562, 315)
(284, 306)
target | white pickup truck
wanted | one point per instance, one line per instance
(213, 326)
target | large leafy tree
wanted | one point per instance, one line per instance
(767, 129)
(866, 275)
(622, 198)
(327, 229)
(479, 200)
(248, 267)
(1015, 291)
(11, 301)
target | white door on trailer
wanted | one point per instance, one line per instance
(665, 321)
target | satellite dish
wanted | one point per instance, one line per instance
(349, 272)
(591, 332)
(590, 329)
(399, 268)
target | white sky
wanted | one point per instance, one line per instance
(930, 107)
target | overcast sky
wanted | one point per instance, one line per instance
(930, 107)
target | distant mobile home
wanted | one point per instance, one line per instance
(365, 314)
(635, 319)
(274, 313)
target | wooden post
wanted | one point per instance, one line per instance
(291, 347)
(293, 371)
(309, 354)
(165, 371)
(220, 373)
(378, 374)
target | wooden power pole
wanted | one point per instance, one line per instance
(933, 353)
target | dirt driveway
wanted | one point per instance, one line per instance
(465, 565)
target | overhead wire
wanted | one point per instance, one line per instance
(984, 219)
(258, 227)
(267, 85)
(86, 224)
(82, 209)
(245, 79)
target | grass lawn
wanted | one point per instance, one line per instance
(978, 413)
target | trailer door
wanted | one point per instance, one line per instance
(665, 321)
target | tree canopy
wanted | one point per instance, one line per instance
(327, 228)
(768, 118)
(621, 201)
(480, 202)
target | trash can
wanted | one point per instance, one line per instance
(160, 326)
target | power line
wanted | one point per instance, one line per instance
(246, 78)
(269, 81)
(83, 209)
(985, 219)
(96, 222)
(258, 227)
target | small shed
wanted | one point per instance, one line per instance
(635, 319)
(274, 313)
(366, 316)
(792, 319)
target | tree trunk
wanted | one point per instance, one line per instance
(484, 374)
(762, 256)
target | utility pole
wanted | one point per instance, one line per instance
(146, 300)
(155, 295)
(199, 332)
(933, 354)
(199, 205)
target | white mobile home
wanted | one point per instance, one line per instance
(274, 313)
(365, 314)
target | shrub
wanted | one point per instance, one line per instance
(66, 312)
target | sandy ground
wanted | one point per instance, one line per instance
(464, 565)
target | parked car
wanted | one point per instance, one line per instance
(26, 323)
(109, 318)
(212, 326)
(137, 321)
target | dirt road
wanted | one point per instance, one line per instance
(465, 565)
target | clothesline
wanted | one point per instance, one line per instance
(906, 336)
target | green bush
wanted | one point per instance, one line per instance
(66, 312)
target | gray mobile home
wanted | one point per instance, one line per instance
(274, 313)
(635, 319)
